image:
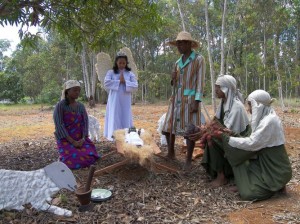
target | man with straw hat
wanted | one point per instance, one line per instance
(188, 82)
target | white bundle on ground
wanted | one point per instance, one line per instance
(133, 138)
(161, 121)
(104, 63)
(94, 128)
(35, 187)
(140, 154)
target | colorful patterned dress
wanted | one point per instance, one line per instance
(189, 88)
(73, 122)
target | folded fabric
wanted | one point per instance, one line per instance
(133, 138)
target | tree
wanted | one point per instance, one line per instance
(211, 63)
(10, 87)
(4, 46)
(97, 23)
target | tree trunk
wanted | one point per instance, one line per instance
(211, 63)
(265, 55)
(277, 73)
(181, 15)
(222, 69)
(93, 73)
(297, 92)
(85, 72)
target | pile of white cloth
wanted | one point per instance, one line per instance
(133, 137)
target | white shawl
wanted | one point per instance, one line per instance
(235, 115)
(267, 130)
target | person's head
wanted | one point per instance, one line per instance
(184, 42)
(259, 103)
(71, 90)
(259, 97)
(225, 84)
(121, 62)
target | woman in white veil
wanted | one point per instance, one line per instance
(231, 114)
(259, 162)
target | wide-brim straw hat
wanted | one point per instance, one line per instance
(183, 35)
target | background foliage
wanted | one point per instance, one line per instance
(39, 66)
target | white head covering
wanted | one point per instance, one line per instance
(234, 119)
(260, 104)
(68, 85)
(267, 130)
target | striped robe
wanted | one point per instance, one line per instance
(188, 88)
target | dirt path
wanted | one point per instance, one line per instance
(27, 143)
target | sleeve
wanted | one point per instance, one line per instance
(109, 82)
(255, 142)
(85, 131)
(60, 130)
(132, 83)
(234, 155)
(201, 78)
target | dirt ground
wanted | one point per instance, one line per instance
(141, 195)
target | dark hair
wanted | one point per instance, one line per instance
(115, 67)
(66, 98)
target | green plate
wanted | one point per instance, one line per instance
(100, 194)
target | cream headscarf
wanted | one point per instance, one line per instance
(267, 130)
(68, 85)
(260, 104)
(235, 117)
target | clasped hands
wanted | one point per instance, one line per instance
(122, 79)
(78, 144)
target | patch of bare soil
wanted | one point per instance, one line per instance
(141, 195)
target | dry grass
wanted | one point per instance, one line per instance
(140, 196)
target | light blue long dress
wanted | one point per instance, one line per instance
(118, 109)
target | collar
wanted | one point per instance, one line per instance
(188, 60)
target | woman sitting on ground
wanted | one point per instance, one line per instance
(76, 150)
(260, 163)
(231, 114)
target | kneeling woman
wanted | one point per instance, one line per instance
(260, 163)
(71, 129)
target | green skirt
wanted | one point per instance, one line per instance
(258, 175)
(214, 159)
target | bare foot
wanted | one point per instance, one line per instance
(233, 189)
(170, 156)
(283, 190)
(187, 166)
(219, 181)
(167, 157)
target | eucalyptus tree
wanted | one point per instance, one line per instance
(4, 46)
(211, 67)
(88, 25)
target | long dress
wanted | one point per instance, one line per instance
(260, 163)
(189, 88)
(118, 109)
(74, 123)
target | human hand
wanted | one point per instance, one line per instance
(174, 76)
(122, 79)
(195, 134)
(217, 134)
(77, 144)
(227, 131)
(81, 141)
(194, 106)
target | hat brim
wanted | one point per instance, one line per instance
(195, 44)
